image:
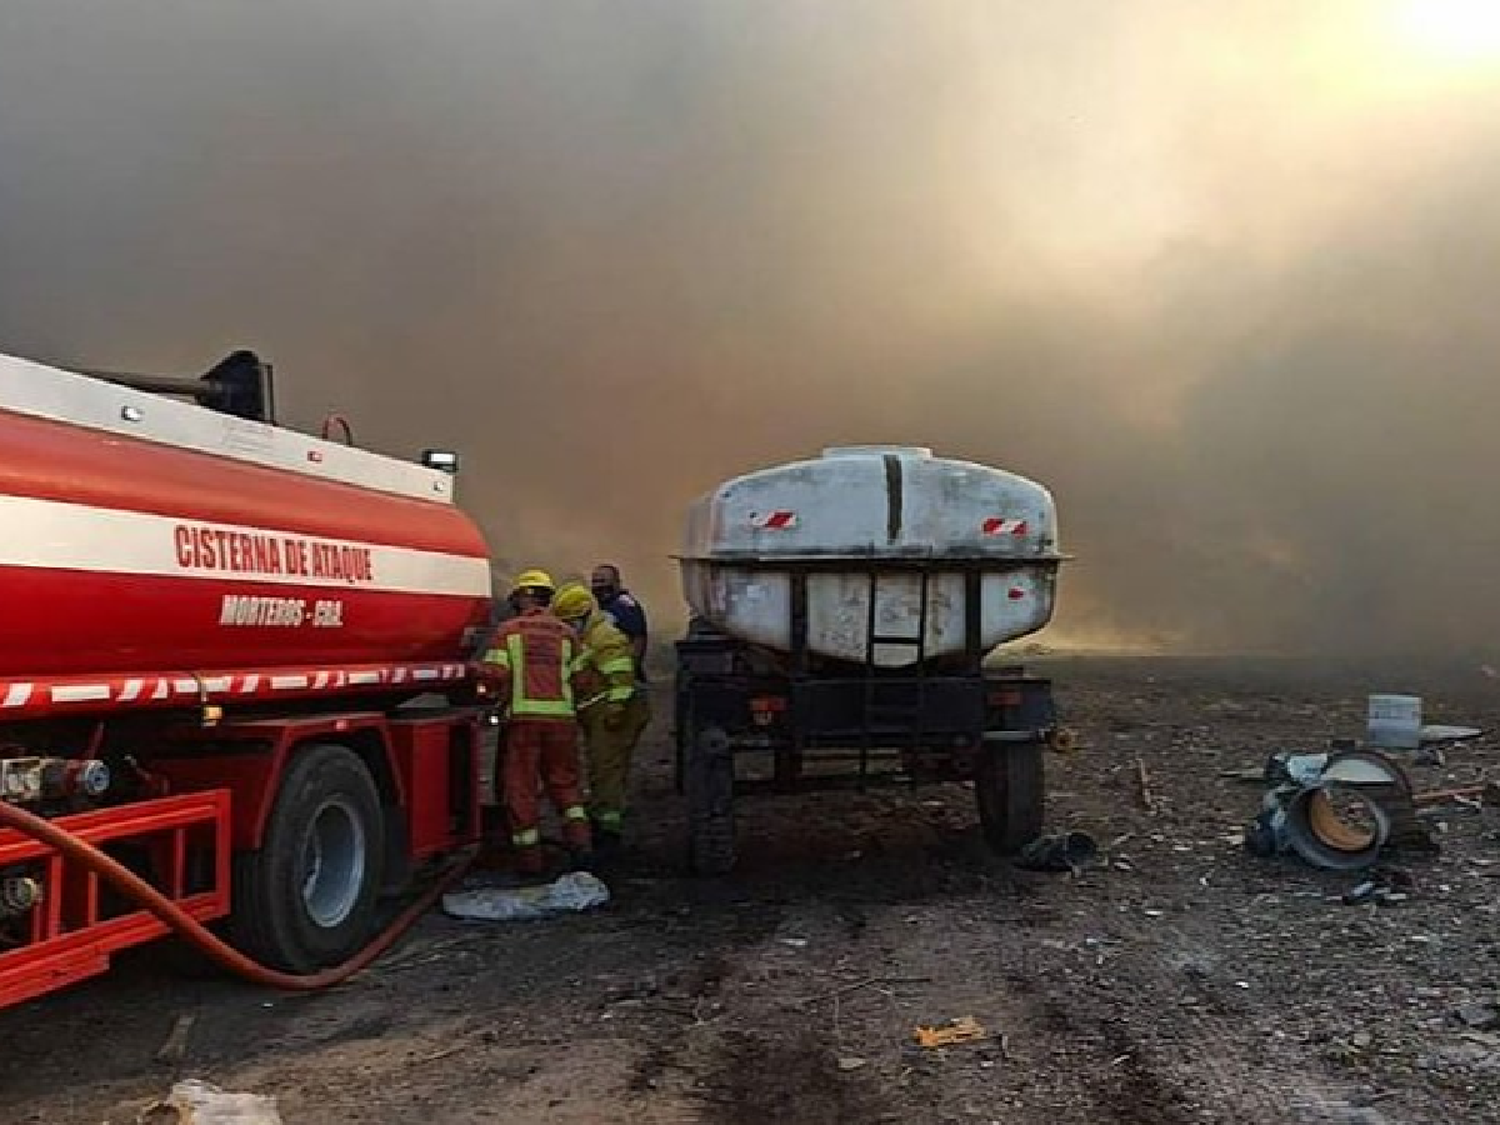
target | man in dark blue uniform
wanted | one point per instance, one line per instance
(629, 614)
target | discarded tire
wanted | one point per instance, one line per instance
(1336, 827)
(1337, 811)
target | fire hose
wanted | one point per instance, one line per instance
(198, 935)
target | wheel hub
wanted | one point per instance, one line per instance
(333, 863)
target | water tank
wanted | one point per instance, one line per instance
(155, 548)
(881, 521)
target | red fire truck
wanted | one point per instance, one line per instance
(235, 676)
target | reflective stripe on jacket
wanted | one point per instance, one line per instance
(533, 656)
(605, 664)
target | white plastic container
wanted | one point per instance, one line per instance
(1395, 722)
(895, 511)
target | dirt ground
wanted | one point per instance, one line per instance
(1181, 980)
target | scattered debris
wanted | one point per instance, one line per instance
(1068, 851)
(199, 1103)
(964, 1029)
(1248, 776)
(576, 891)
(1143, 787)
(1387, 887)
(844, 990)
(1437, 735)
(1063, 740)
(1479, 1017)
(174, 1049)
(1395, 721)
(444, 1053)
(1294, 769)
(1337, 810)
(1466, 794)
(852, 1063)
(1430, 754)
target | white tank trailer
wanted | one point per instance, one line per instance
(842, 610)
(919, 524)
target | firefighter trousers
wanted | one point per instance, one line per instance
(610, 753)
(543, 754)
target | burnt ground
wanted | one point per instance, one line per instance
(1181, 981)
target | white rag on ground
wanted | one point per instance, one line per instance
(198, 1103)
(573, 892)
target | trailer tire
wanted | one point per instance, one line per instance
(710, 800)
(306, 899)
(1010, 789)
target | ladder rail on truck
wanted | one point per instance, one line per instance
(752, 718)
(286, 799)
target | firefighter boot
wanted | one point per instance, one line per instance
(580, 842)
(609, 842)
(530, 862)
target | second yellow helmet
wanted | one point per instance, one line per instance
(573, 601)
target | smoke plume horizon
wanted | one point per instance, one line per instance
(1217, 275)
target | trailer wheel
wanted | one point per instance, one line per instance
(307, 898)
(710, 800)
(1010, 788)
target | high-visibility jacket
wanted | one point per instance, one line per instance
(605, 665)
(533, 657)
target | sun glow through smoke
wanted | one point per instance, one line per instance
(1451, 32)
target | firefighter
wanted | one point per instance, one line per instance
(532, 660)
(612, 710)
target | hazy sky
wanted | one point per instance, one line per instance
(1222, 274)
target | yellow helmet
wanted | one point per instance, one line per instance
(533, 580)
(574, 601)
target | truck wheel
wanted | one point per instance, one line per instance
(1010, 788)
(710, 799)
(306, 899)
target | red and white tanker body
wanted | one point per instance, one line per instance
(214, 633)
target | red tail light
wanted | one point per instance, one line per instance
(765, 708)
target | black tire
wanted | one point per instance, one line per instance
(276, 916)
(1011, 789)
(710, 800)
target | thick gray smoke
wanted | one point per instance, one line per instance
(1222, 275)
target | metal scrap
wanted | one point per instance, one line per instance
(1437, 734)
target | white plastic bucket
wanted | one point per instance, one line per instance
(1396, 722)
